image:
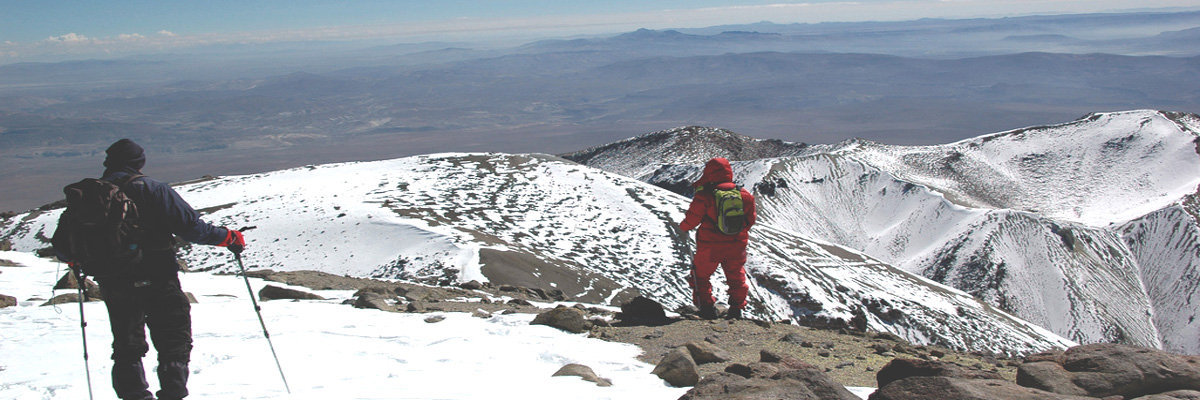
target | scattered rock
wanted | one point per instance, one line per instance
(433, 319)
(600, 322)
(472, 285)
(567, 319)
(642, 311)
(1173, 395)
(5, 245)
(478, 313)
(1106, 369)
(678, 369)
(793, 338)
(520, 302)
(704, 352)
(584, 372)
(272, 292)
(7, 301)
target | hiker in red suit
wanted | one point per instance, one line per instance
(715, 248)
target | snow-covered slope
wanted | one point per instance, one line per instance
(1082, 227)
(543, 222)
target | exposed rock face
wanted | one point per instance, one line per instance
(782, 378)
(584, 372)
(678, 369)
(271, 292)
(567, 319)
(1103, 370)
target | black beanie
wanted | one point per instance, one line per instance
(125, 154)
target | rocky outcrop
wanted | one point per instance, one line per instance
(775, 377)
(1103, 370)
(271, 292)
(908, 379)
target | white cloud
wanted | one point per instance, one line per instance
(69, 38)
(166, 33)
(130, 36)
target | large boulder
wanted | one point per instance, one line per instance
(705, 352)
(1106, 369)
(565, 318)
(272, 292)
(678, 369)
(7, 301)
(902, 368)
(944, 387)
(642, 311)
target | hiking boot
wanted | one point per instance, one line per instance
(733, 313)
(707, 311)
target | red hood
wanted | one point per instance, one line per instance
(717, 170)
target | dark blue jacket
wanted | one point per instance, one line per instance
(163, 213)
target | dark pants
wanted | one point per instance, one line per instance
(160, 305)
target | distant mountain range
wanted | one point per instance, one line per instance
(1087, 228)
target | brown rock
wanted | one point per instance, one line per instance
(565, 318)
(272, 292)
(1106, 369)
(678, 369)
(584, 372)
(7, 301)
(704, 353)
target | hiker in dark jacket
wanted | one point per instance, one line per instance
(152, 296)
(714, 248)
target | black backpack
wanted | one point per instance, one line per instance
(100, 231)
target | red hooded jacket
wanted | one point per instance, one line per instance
(703, 211)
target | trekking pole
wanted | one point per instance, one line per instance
(237, 254)
(83, 329)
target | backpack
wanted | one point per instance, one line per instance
(100, 231)
(731, 213)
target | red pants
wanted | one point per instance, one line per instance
(732, 259)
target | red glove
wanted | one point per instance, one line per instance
(233, 238)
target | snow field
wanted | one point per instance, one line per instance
(327, 350)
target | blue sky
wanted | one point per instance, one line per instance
(32, 27)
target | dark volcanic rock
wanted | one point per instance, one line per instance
(1106, 369)
(678, 369)
(271, 292)
(642, 310)
(565, 318)
(584, 372)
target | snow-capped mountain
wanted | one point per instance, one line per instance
(544, 222)
(1087, 228)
